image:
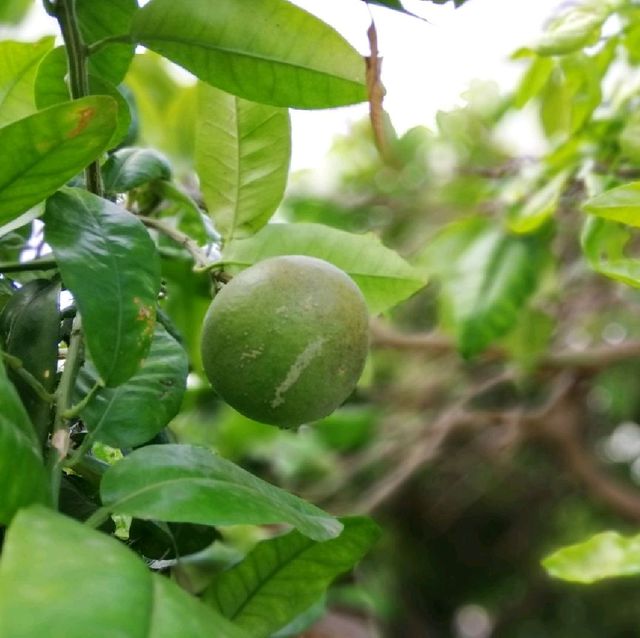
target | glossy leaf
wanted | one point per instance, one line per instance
(96, 21)
(184, 483)
(110, 264)
(18, 65)
(486, 277)
(51, 87)
(621, 204)
(282, 577)
(577, 27)
(603, 244)
(242, 157)
(48, 559)
(49, 148)
(30, 325)
(604, 555)
(137, 410)
(384, 278)
(129, 168)
(23, 479)
(253, 49)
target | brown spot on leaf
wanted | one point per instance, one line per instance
(84, 117)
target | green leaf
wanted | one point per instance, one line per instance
(529, 215)
(51, 88)
(384, 278)
(129, 168)
(49, 148)
(486, 277)
(137, 410)
(242, 157)
(578, 27)
(282, 577)
(253, 49)
(533, 81)
(621, 204)
(30, 326)
(629, 138)
(98, 21)
(184, 483)
(603, 244)
(604, 555)
(110, 264)
(13, 11)
(23, 479)
(18, 66)
(48, 559)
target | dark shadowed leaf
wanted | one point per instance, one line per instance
(23, 479)
(110, 264)
(30, 327)
(184, 483)
(137, 410)
(132, 167)
(253, 49)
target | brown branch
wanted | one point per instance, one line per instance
(594, 358)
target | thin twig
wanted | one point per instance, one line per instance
(17, 366)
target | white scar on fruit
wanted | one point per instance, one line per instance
(299, 365)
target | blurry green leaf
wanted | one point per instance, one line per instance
(129, 168)
(51, 88)
(110, 264)
(348, 428)
(533, 80)
(530, 215)
(183, 483)
(97, 21)
(30, 325)
(253, 49)
(137, 410)
(629, 138)
(18, 66)
(303, 621)
(603, 243)
(604, 555)
(48, 558)
(486, 277)
(13, 11)
(242, 157)
(578, 27)
(23, 479)
(530, 338)
(621, 204)
(50, 147)
(281, 577)
(384, 278)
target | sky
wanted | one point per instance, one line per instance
(427, 65)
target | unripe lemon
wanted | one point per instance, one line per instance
(286, 340)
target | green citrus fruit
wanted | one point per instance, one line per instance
(286, 340)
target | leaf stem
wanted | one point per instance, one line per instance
(75, 410)
(65, 11)
(98, 517)
(60, 436)
(16, 364)
(199, 256)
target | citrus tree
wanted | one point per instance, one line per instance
(500, 290)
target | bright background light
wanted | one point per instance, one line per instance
(427, 64)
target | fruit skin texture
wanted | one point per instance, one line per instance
(286, 340)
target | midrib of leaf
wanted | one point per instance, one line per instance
(265, 579)
(244, 54)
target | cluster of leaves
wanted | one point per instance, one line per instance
(108, 258)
